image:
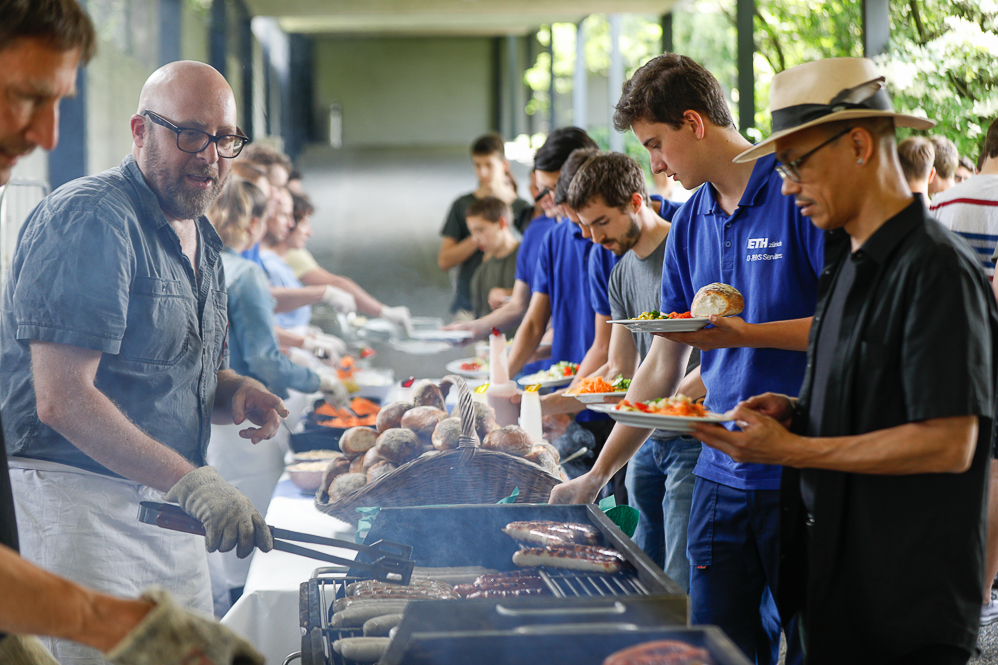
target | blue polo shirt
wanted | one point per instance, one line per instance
(601, 262)
(773, 255)
(666, 209)
(526, 256)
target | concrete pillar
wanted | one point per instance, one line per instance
(876, 27)
(580, 80)
(218, 41)
(746, 73)
(553, 122)
(512, 84)
(666, 22)
(169, 30)
(616, 79)
(69, 159)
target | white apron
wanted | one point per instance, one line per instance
(84, 526)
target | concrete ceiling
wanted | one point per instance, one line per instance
(440, 17)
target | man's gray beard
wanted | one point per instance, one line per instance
(177, 200)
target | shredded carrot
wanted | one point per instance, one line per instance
(350, 421)
(346, 367)
(364, 407)
(593, 384)
(325, 409)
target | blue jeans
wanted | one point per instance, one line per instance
(733, 552)
(659, 484)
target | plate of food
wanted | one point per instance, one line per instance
(596, 389)
(716, 298)
(670, 413)
(559, 374)
(475, 368)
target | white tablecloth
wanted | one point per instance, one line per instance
(267, 612)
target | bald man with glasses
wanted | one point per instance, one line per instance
(114, 364)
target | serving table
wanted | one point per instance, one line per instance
(267, 612)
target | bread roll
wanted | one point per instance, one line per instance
(423, 420)
(391, 416)
(357, 464)
(717, 298)
(382, 468)
(346, 485)
(358, 440)
(485, 419)
(543, 458)
(336, 468)
(426, 393)
(398, 445)
(509, 439)
(447, 434)
(371, 457)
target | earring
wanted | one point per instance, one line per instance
(860, 161)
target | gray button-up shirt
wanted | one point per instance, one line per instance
(98, 266)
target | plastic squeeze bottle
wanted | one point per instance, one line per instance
(500, 387)
(530, 413)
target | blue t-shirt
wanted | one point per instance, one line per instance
(601, 262)
(253, 254)
(666, 209)
(773, 255)
(526, 257)
(281, 274)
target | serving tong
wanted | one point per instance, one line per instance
(390, 561)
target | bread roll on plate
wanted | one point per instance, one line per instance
(717, 298)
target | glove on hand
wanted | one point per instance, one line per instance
(327, 347)
(24, 650)
(229, 518)
(339, 300)
(400, 316)
(171, 635)
(333, 389)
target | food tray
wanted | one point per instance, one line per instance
(662, 325)
(454, 367)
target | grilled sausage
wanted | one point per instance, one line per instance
(586, 558)
(546, 532)
(362, 649)
(356, 615)
(380, 626)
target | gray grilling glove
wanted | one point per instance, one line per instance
(24, 650)
(229, 518)
(171, 635)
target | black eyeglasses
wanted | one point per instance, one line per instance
(790, 170)
(194, 140)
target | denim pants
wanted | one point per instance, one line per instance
(733, 552)
(659, 484)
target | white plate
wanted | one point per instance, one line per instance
(454, 367)
(421, 348)
(532, 380)
(662, 325)
(450, 336)
(597, 398)
(653, 420)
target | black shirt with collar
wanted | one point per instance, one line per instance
(893, 563)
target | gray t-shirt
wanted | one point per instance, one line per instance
(636, 287)
(98, 266)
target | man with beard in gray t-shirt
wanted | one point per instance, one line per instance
(609, 195)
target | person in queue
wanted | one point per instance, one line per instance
(945, 164)
(112, 349)
(916, 155)
(740, 230)
(610, 197)
(41, 45)
(965, 169)
(879, 462)
(457, 248)
(489, 220)
(548, 162)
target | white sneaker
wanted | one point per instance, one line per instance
(989, 612)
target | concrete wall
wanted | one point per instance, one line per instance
(406, 92)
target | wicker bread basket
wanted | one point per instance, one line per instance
(468, 474)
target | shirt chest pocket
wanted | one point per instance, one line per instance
(161, 322)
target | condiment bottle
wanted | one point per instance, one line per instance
(530, 413)
(500, 387)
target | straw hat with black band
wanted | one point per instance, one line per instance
(827, 91)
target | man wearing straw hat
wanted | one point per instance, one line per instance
(885, 452)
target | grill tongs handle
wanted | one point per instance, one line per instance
(390, 561)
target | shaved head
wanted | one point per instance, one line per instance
(188, 95)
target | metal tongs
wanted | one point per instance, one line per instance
(390, 561)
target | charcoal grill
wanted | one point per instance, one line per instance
(638, 597)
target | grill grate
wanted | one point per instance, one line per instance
(569, 584)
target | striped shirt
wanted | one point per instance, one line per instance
(970, 208)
